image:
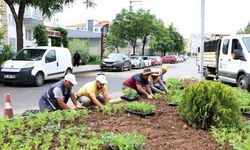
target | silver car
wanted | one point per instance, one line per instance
(137, 62)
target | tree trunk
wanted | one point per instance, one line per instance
(18, 20)
(143, 45)
(19, 34)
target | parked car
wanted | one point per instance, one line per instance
(33, 65)
(158, 59)
(154, 62)
(116, 61)
(137, 62)
(169, 59)
(147, 61)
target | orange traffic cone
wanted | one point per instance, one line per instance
(8, 111)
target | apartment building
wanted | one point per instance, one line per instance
(3, 18)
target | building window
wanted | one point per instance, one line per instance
(28, 34)
(96, 29)
(12, 42)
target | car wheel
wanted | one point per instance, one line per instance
(129, 67)
(122, 68)
(242, 82)
(39, 79)
(102, 69)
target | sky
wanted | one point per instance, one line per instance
(221, 16)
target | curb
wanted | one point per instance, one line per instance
(83, 71)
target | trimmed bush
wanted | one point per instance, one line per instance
(209, 103)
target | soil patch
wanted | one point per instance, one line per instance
(165, 130)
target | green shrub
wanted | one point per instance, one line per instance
(40, 35)
(209, 103)
(94, 60)
(82, 47)
(5, 53)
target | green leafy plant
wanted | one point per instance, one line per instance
(243, 96)
(129, 91)
(175, 92)
(111, 109)
(209, 103)
(129, 141)
(238, 136)
(139, 107)
(160, 96)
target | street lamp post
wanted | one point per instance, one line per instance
(202, 37)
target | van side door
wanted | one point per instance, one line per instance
(51, 66)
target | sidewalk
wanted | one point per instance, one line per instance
(86, 68)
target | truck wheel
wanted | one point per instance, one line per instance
(242, 82)
(206, 75)
(39, 79)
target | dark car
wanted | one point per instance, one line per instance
(169, 59)
(116, 61)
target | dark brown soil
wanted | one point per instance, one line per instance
(164, 131)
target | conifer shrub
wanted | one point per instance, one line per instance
(209, 103)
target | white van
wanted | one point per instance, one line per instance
(33, 65)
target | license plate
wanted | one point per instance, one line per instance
(109, 65)
(9, 76)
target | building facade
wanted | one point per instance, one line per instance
(3, 19)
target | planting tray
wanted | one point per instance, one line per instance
(130, 98)
(173, 104)
(30, 111)
(141, 114)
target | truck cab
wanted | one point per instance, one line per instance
(228, 60)
(234, 60)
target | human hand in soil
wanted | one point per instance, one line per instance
(80, 107)
(163, 92)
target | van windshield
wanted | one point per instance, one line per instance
(29, 54)
(246, 41)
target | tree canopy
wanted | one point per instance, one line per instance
(246, 30)
(142, 26)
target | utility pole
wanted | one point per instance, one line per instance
(202, 37)
(130, 4)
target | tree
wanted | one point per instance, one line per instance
(246, 30)
(39, 33)
(148, 26)
(82, 47)
(48, 8)
(114, 42)
(167, 40)
(127, 26)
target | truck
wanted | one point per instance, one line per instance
(227, 59)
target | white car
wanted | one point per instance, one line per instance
(137, 62)
(147, 61)
(36, 64)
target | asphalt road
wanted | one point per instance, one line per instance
(25, 97)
